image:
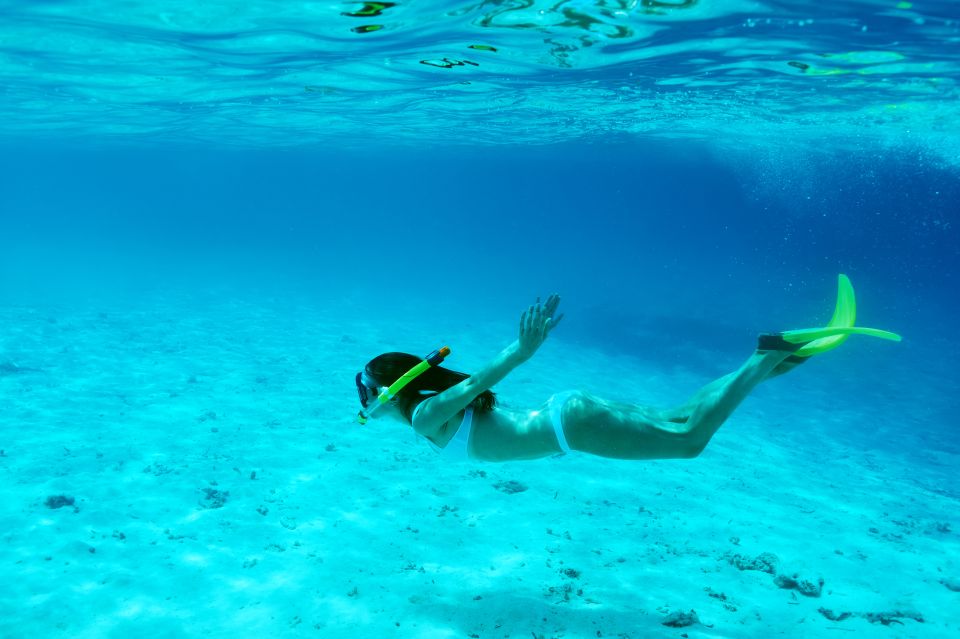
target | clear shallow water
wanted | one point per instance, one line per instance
(212, 215)
(316, 73)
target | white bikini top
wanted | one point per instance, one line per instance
(458, 446)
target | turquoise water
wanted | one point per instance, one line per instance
(284, 74)
(213, 215)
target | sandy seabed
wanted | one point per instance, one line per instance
(179, 469)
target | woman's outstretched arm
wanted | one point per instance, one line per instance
(535, 324)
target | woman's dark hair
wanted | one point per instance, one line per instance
(387, 368)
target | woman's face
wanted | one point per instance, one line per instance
(368, 398)
(389, 410)
(367, 390)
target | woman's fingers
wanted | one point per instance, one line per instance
(546, 325)
(529, 322)
(551, 305)
(538, 320)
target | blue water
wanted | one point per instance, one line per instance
(216, 213)
(275, 74)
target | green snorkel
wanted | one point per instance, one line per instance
(384, 396)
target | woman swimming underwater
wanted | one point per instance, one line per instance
(458, 415)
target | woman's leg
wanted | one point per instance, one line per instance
(787, 365)
(681, 414)
(628, 431)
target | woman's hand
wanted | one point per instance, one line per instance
(536, 323)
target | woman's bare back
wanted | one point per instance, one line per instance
(505, 433)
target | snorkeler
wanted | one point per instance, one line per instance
(457, 413)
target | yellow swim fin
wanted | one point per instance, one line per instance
(821, 340)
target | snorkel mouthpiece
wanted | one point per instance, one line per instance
(433, 359)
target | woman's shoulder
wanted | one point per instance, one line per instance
(416, 409)
(419, 425)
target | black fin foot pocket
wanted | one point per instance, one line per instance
(775, 342)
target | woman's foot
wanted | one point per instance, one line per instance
(787, 365)
(774, 342)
